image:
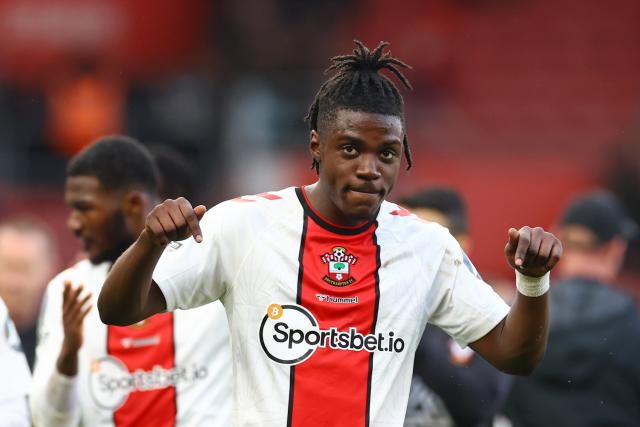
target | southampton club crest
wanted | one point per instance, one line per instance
(339, 263)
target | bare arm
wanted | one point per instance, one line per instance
(518, 343)
(129, 294)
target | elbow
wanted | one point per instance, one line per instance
(108, 316)
(523, 365)
(103, 311)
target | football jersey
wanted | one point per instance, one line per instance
(172, 369)
(325, 319)
(13, 364)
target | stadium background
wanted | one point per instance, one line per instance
(519, 104)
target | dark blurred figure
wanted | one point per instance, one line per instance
(176, 174)
(451, 386)
(27, 262)
(623, 179)
(590, 375)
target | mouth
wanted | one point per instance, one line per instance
(368, 195)
(365, 191)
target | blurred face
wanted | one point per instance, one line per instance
(359, 157)
(583, 256)
(27, 262)
(97, 218)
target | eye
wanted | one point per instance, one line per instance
(349, 150)
(388, 154)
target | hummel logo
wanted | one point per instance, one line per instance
(337, 300)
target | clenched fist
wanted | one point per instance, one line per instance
(174, 220)
(532, 251)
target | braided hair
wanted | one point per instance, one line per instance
(357, 85)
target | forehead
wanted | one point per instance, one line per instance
(83, 187)
(577, 235)
(359, 122)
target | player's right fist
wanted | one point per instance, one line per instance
(174, 220)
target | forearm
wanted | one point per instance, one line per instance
(523, 338)
(517, 344)
(125, 295)
(67, 362)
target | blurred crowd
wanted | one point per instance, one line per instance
(498, 105)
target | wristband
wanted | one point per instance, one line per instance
(532, 286)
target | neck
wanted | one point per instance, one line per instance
(318, 197)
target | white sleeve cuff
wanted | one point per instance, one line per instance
(532, 286)
(61, 392)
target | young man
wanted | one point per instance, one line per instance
(451, 386)
(170, 369)
(328, 287)
(591, 375)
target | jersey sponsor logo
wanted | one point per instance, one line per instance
(290, 334)
(339, 262)
(337, 300)
(111, 383)
(140, 342)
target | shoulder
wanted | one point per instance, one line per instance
(253, 210)
(408, 228)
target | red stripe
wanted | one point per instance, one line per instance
(400, 212)
(269, 196)
(330, 388)
(143, 347)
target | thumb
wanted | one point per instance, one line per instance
(199, 211)
(512, 244)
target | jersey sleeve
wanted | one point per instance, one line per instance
(192, 274)
(466, 307)
(13, 364)
(53, 398)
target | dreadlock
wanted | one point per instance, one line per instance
(357, 85)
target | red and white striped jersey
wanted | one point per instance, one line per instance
(169, 370)
(324, 319)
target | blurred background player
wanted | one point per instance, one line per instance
(590, 375)
(170, 369)
(176, 177)
(15, 375)
(451, 386)
(28, 260)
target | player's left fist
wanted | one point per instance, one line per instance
(532, 251)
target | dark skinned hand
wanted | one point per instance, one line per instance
(174, 220)
(532, 251)
(74, 309)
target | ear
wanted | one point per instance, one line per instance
(135, 203)
(314, 145)
(616, 251)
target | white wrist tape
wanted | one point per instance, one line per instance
(532, 286)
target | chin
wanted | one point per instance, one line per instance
(363, 213)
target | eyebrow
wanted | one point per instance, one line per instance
(356, 140)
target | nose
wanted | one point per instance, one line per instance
(73, 222)
(368, 167)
